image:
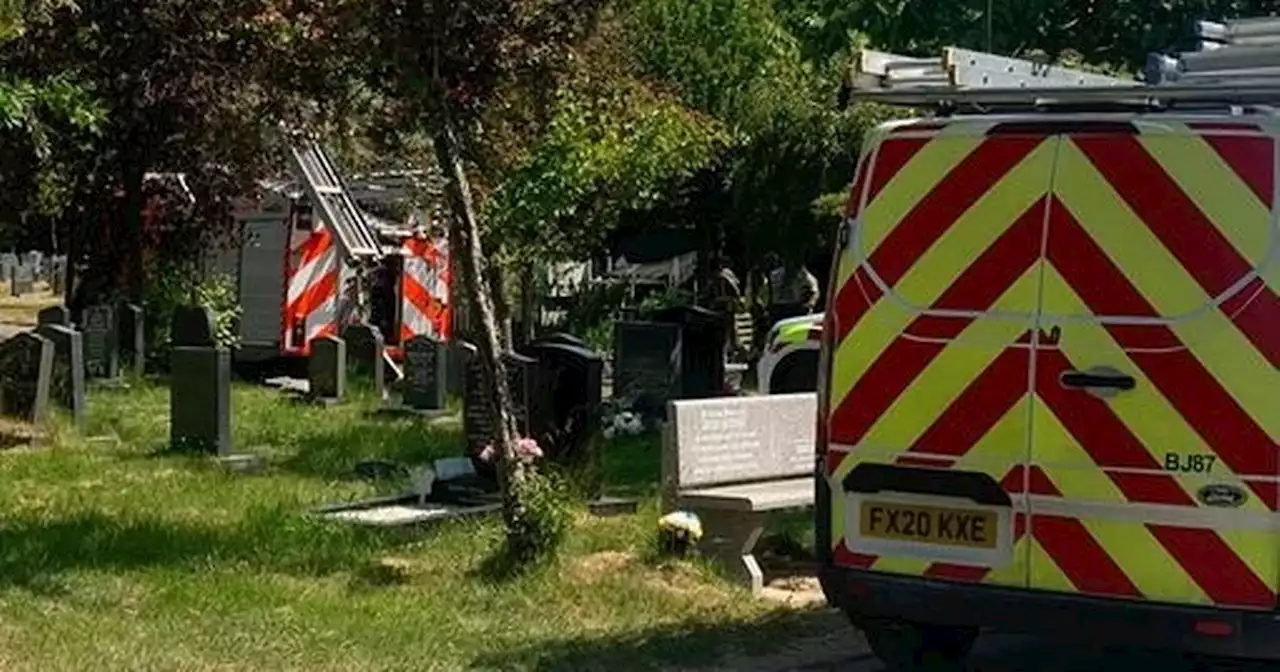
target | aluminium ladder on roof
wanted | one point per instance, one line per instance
(1243, 69)
(355, 236)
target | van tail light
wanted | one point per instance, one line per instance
(1214, 628)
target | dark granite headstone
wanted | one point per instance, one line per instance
(200, 400)
(522, 376)
(424, 370)
(567, 399)
(477, 417)
(101, 353)
(60, 315)
(646, 365)
(67, 388)
(702, 342)
(192, 326)
(327, 368)
(365, 353)
(455, 368)
(26, 373)
(132, 338)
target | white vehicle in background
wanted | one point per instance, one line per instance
(790, 360)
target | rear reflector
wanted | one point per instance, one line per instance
(1214, 628)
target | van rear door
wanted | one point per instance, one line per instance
(1155, 417)
(930, 357)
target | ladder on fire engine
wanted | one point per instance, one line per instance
(355, 235)
(1237, 63)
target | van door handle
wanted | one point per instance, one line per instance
(1106, 381)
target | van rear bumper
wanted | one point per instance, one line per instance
(1253, 635)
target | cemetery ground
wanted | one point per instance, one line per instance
(117, 555)
(18, 312)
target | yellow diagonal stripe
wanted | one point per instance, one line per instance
(1066, 463)
(1218, 191)
(1259, 550)
(1155, 573)
(1212, 338)
(949, 256)
(1045, 574)
(911, 184)
(959, 363)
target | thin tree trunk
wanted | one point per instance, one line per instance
(470, 261)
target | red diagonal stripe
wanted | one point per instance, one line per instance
(420, 297)
(1081, 558)
(986, 279)
(1253, 158)
(1187, 233)
(1103, 436)
(1219, 572)
(847, 558)
(1178, 375)
(315, 245)
(958, 191)
(315, 295)
(982, 404)
(891, 157)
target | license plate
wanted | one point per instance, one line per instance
(966, 528)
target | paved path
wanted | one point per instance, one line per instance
(842, 649)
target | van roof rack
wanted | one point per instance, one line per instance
(1237, 64)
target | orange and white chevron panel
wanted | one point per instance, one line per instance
(314, 277)
(425, 290)
(987, 260)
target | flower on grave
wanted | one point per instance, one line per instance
(682, 524)
(527, 450)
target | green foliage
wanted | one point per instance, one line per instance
(181, 284)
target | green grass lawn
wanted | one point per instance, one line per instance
(114, 557)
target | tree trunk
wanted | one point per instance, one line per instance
(501, 307)
(470, 262)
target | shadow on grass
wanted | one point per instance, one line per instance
(681, 645)
(35, 552)
(333, 452)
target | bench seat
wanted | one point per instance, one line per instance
(791, 493)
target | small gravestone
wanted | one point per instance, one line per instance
(456, 368)
(522, 372)
(8, 262)
(26, 373)
(568, 396)
(200, 399)
(22, 281)
(58, 275)
(327, 369)
(646, 365)
(366, 352)
(59, 315)
(67, 388)
(424, 370)
(477, 417)
(192, 326)
(132, 338)
(101, 353)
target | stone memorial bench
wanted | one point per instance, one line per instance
(733, 461)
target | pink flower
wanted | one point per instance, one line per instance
(487, 454)
(528, 449)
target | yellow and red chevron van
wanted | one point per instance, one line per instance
(1049, 398)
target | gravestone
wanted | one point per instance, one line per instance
(200, 399)
(366, 353)
(67, 387)
(8, 262)
(192, 326)
(720, 440)
(646, 365)
(424, 370)
(101, 351)
(57, 275)
(702, 342)
(522, 376)
(477, 418)
(60, 315)
(327, 368)
(455, 368)
(568, 396)
(22, 280)
(132, 338)
(26, 373)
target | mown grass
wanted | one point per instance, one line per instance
(115, 555)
